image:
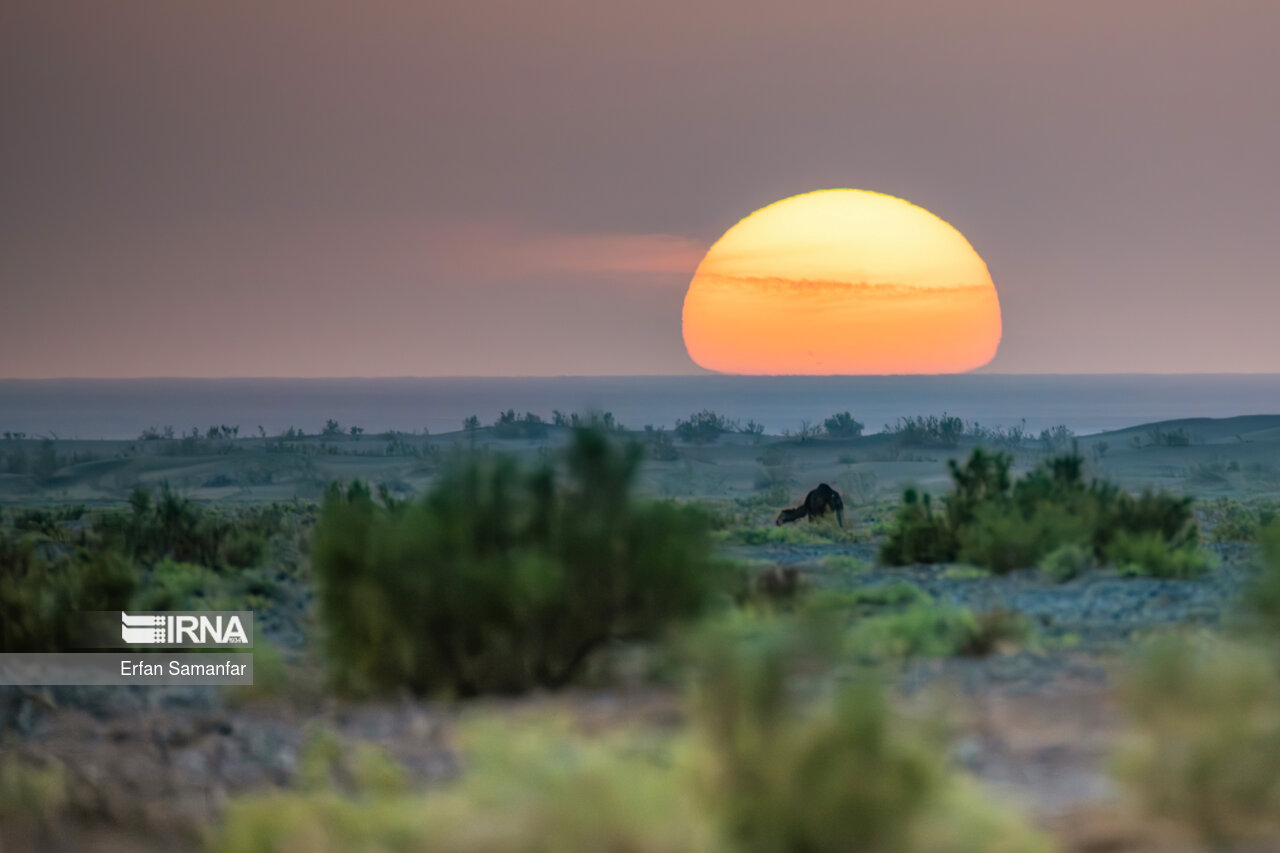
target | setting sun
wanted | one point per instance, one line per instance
(842, 281)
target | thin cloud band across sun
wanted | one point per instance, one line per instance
(842, 282)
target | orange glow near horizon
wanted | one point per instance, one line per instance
(842, 282)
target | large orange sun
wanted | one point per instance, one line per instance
(842, 282)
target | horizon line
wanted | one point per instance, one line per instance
(705, 375)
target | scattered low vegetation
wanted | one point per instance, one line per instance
(659, 445)
(590, 420)
(511, 425)
(927, 629)
(168, 525)
(991, 520)
(1229, 520)
(842, 425)
(507, 576)
(42, 590)
(927, 430)
(703, 427)
(1068, 561)
(1148, 553)
(1168, 437)
(163, 552)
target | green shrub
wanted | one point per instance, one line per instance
(920, 630)
(944, 431)
(171, 526)
(1206, 750)
(993, 630)
(703, 427)
(844, 563)
(46, 522)
(1167, 516)
(498, 579)
(849, 776)
(797, 534)
(659, 445)
(1068, 561)
(1147, 553)
(842, 425)
(918, 534)
(1169, 438)
(528, 425)
(772, 492)
(1230, 520)
(993, 521)
(40, 597)
(786, 765)
(1002, 539)
(171, 585)
(893, 594)
(1262, 598)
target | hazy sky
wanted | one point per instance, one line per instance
(436, 188)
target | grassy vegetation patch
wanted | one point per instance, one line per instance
(163, 552)
(844, 563)
(1229, 520)
(991, 520)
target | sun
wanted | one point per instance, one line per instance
(842, 281)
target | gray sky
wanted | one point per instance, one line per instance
(376, 189)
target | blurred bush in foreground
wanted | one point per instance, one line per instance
(531, 786)
(780, 757)
(1206, 751)
(500, 579)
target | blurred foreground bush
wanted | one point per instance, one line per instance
(531, 786)
(788, 761)
(1206, 752)
(776, 761)
(990, 520)
(500, 579)
(1262, 598)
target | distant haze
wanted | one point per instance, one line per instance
(123, 409)
(487, 188)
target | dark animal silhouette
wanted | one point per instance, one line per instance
(815, 504)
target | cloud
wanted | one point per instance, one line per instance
(505, 250)
(834, 287)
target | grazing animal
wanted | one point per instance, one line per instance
(815, 504)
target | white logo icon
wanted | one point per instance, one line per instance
(183, 629)
(142, 629)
